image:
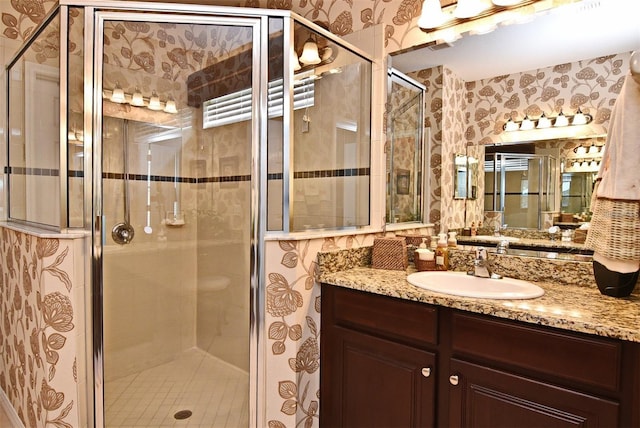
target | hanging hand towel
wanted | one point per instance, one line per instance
(619, 171)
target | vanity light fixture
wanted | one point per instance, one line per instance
(511, 126)
(154, 102)
(561, 120)
(526, 124)
(117, 96)
(544, 121)
(310, 55)
(137, 99)
(579, 118)
(469, 8)
(432, 15)
(294, 60)
(170, 106)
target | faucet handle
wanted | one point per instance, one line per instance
(481, 253)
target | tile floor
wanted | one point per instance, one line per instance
(215, 392)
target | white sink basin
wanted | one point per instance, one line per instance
(461, 284)
(491, 238)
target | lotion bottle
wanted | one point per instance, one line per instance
(442, 253)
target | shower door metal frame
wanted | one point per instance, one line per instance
(134, 11)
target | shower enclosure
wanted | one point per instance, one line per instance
(167, 131)
(521, 186)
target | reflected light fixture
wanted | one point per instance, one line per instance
(170, 106)
(469, 8)
(117, 96)
(154, 102)
(294, 60)
(137, 98)
(310, 55)
(432, 15)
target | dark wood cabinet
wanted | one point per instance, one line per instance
(485, 397)
(388, 362)
(375, 376)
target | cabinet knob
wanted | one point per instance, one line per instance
(453, 379)
(426, 371)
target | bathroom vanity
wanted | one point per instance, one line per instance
(393, 355)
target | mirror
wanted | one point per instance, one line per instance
(485, 79)
(404, 149)
(465, 176)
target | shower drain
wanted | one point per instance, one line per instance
(183, 414)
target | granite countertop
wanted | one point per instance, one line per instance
(569, 307)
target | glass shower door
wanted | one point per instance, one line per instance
(177, 146)
(525, 189)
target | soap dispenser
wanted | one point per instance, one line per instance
(452, 241)
(442, 253)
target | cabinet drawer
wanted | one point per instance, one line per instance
(573, 357)
(402, 320)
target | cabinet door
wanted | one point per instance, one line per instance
(484, 397)
(370, 382)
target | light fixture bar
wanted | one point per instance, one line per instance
(561, 120)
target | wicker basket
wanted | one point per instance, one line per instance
(579, 236)
(423, 265)
(615, 229)
(389, 253)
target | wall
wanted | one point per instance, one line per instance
(42, 335)
(292, 317)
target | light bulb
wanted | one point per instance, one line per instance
(526, 124)
(581, 150)
(170, 106)
(137, 99)
(432, 15)
(310, 54)
(294, 60)
(154, 102)
(117, 95)
(579, 118)
(469, 8)
(510, 126)
(593, 149)
(561, 120)
(544, 122)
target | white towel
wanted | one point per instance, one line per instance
(620, 168)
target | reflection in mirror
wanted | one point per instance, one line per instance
(576, 190)
(460, 176)
(472, 177)
(404, 149)
(481, 81)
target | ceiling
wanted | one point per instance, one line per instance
(569, 33)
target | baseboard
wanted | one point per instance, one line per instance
(6, 406)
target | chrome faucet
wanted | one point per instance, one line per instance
(481, 265)
(497, 231)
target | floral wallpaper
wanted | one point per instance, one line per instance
(293, 325)
(292, 295)
(39, 328)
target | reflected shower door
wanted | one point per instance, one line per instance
(177, 145)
